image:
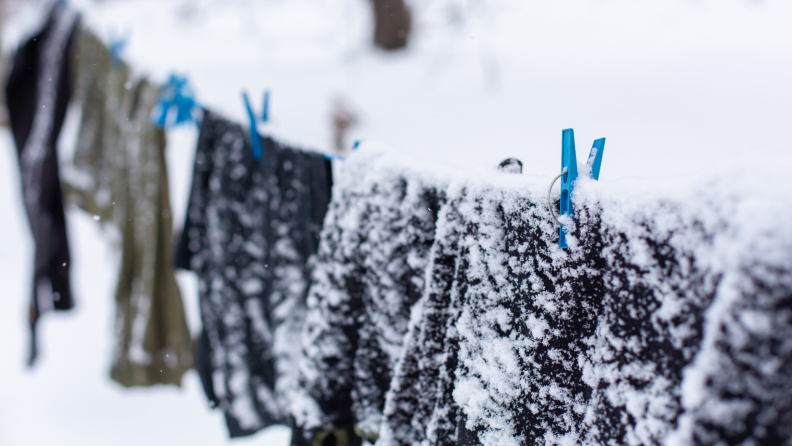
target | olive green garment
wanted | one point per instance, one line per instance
(120, 177)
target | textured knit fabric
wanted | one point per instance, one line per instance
(370, 269)
(251, 231)
(37, 94)
(120, 177)
(423, 377)
(518, 320)
(643, 332)
(420, 404)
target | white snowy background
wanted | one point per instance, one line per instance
(682, 89)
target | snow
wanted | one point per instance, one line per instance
(693, 97)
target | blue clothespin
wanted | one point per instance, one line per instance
(569, 174)
(595, 158)
(258, 149)
(569, 167)
(176, 105)
(265, 112)
(116, 46)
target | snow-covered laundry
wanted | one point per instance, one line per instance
(119, 176)
(37, 96)
(423, 376)
(369, 273)
(419, 406)
(493, 246)
(251, 232)
(666, 322)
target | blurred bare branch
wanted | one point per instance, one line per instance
(343, 119)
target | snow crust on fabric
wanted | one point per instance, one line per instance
(666, 322)
(252, 227)
(425, 371)
(369, 272)
(642, 333)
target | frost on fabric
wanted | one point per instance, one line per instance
(422, 375)
(252, 228)
(667, 322)
(369, 273)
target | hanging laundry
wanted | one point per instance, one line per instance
(37, 95)
(420, 406)
(369, 273)
(641, 333)
(424, 375)
(251, 232)
(485, 254)
(120, 177)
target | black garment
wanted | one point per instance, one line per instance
(424, 377)
(37, 95)
(494, 278)
(640, 333)
(370, 269)
(251, 230)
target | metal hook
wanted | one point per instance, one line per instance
(549, 207)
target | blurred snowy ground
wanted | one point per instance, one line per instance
(680, 88)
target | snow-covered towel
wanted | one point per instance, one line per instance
(666, 322)
(37, 95)
(252, 228)
(119, 176)
(370, 271)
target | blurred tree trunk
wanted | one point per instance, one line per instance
(393, 23)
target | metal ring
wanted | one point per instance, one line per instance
(549, 207)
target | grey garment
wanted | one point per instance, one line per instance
(37, 97)
(369, 273)
(120, 176)
(639, 334)
(251, 232)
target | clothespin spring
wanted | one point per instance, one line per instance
(549, 189)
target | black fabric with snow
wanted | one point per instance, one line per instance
(484, 317)
(369, 273)
(425, 373)
(519, 342)
(251, 229)
(37, 95)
